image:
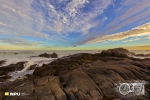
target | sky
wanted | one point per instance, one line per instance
(74, 24)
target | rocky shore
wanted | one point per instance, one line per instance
(54, 55)
(82, 77)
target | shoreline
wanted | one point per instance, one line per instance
(83, 76)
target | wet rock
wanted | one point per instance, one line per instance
(13, 67)
(5, 77)
(45, 55)
(38, 71)
(2, 73)
(142, 55)
(54, 55)
(2, 62)
(32, 67)
(147, 78)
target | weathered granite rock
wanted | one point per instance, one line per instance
(50, 97)
(82, 77)
(81, 81)
(54, 55)
(38, 71)
(56, 89)
(42, 81)
(117, 52)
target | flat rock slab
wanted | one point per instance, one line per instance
(42, 81)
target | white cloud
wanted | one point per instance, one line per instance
(131, 40)
(19, 41)
(32, 18)
(2, 24)
(143, 30)
(74, 6)
(130, 12)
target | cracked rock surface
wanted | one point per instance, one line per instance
(82, 77)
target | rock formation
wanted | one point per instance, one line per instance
(54, 55)
(13, 67)
(82, 77)
(45, 55)
(142, 55)
(2, 62)
(10, 68)
(117, 52)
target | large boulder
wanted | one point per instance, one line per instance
(38, 71)
(2, 62)
(54, 55)
(45, 55)
(117, 52)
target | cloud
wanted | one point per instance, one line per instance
(149, 37)
(131, 40)
(133, 7)
(19, 41)
(2, 24)
(131, 12)
(143, 30)
(131, 20)
(49, 19)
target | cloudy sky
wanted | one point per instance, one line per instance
(74, 24)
